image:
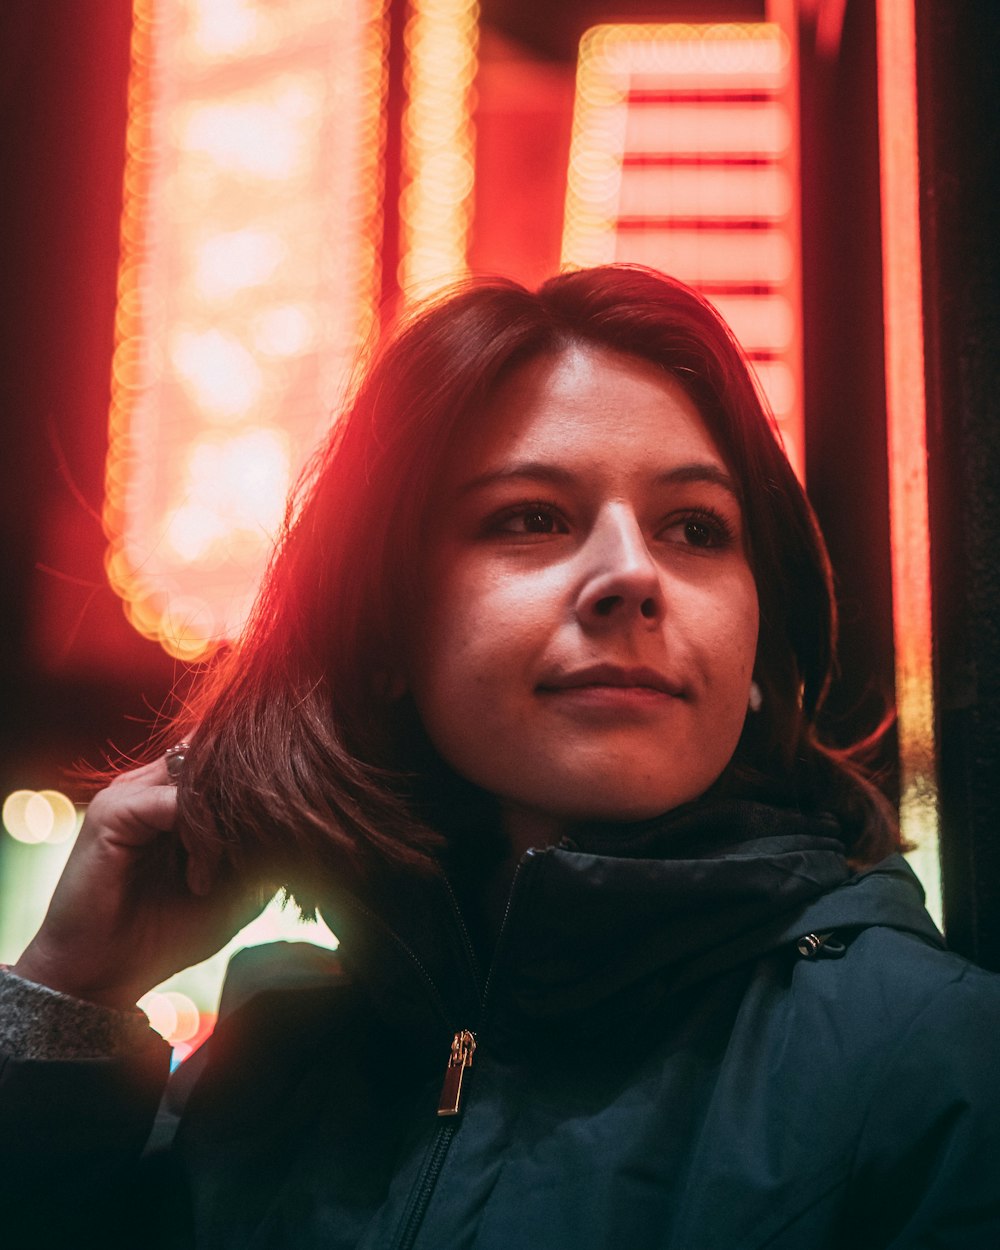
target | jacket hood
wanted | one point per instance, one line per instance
(611, 923)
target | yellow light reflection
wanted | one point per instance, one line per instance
(441, 40)
(907, 437)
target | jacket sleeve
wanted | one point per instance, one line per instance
(88, 1118)
(927, 1170)
(78, 1095)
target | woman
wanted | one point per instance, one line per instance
(528, 706)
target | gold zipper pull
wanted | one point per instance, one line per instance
(463, 1047)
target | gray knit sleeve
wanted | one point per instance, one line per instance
(39, 1023)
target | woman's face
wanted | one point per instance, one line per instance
(588, 626)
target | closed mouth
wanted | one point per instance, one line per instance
(611, 676)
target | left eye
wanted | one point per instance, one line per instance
(700, 534)
(703, 530)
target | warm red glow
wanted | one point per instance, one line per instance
(905, 428)
(684, 158)
(248, 282)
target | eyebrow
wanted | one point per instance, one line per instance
(702, 473)
(540, 471)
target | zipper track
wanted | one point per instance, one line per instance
(445, 1131)
(425, 1187)
(470, 950)
(528, 857)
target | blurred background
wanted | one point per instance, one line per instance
(210, 206)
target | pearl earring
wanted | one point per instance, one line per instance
(756, 699)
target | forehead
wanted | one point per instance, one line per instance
(601, 410)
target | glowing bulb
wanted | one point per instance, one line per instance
(234, 260)
(226, 27)
(192, 530)
(285, 331)
(267, 138)
(222, 375)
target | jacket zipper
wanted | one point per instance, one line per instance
(463, 1048)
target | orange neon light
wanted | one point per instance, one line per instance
(684, 157)
(441, 40)
(248, 279)
(906, 430)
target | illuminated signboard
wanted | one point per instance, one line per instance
(684, 158)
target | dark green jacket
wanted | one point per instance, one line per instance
(671, 1053)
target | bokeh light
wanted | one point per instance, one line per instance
(172, 1014)
(248, 282)
(435, 207)
(36, 816)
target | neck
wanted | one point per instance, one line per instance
(522, 830)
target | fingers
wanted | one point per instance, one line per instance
(154, 772)
(132, 814)
(141, 804)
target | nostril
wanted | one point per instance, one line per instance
(648, 608)
(605, 606)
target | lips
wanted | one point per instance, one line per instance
(611, 676)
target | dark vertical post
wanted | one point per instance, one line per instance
(847, 472)
(958, 45)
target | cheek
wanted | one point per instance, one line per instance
(459, 635)
(727, 629)
(749, 634)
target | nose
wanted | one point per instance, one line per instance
(621, 580)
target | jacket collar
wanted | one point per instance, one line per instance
(612, 919)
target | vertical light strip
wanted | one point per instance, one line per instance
(441, 41)
(684, 157)
(906, 434)
(248, 279)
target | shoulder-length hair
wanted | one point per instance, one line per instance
(300, 764)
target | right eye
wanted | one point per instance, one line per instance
(530, 519)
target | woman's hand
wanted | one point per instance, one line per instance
(132, 907)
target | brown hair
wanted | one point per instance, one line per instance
(302, 764)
